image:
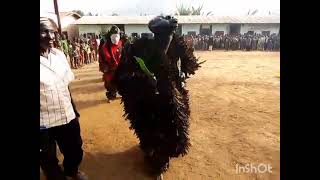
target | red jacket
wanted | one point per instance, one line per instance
(111, 59)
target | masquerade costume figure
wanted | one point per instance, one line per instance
(109, 58)
(151, 86)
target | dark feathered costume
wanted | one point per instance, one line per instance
(155, 102)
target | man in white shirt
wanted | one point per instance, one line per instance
(59, 123)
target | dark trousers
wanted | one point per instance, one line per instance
(70, 144)
(111, 89)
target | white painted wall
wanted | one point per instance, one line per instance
(89, 29)
(67, 25)
(190, 27)
(220, 27)
(129, 28)
(135, 28)
(73, 31)
(66, 21)
(258, 28)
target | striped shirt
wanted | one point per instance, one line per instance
(55, 102)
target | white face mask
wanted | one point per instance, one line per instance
(115, 38)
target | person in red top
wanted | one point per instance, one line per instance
(109, 58)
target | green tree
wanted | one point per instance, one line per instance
(184, 9)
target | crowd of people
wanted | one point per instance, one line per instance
(84, 49)
(246, 42)
(80, 50)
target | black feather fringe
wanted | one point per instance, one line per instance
(158, 112)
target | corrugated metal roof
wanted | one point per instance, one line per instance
(63, 15)
(181, 19)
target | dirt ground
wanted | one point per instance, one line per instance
(235, 120)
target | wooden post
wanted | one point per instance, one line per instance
(56, 9)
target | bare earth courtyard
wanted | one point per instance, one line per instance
(235, 120)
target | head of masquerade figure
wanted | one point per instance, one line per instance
(114, 34)
(47, 33)
(163, 24)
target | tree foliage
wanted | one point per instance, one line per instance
(184, 9)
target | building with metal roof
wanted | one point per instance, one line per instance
(187, 24)
(67, 19)
(181, 19)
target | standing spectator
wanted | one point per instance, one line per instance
(222, 42)
(65, 45)
(254, 43)
(59, 118)
(110, 55)
(207, 42)
(248, 43)
(75, 56)
(269, 44)
(210, 42)
(227, 43)
(70, 54)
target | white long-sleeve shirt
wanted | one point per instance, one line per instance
(55, 102)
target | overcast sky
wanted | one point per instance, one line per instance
(155, 7)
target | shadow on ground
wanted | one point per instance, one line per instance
(126, 165)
